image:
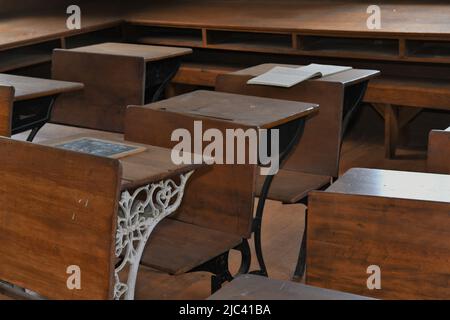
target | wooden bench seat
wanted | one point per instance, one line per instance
(388, 94)
(292, 186)
(177, 247)
(410, 91)
(250, 287)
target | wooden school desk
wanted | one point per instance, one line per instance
(261, 113)
(398, 221)
(314, 162)
(115, 75)
(152, 188)
(33, 101)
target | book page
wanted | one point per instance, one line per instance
(323, 69)
(283, 77)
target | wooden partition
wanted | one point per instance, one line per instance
(6, 107)
(439, 151)
(58, 210)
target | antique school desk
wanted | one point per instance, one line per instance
(314, 162)
(115, 75)
(289, 117)
(33, 101)
(152, 188)
(397, 221)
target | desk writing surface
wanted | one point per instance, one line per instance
(394, 184)
(30, 88)
(246, 110)
(149, 53)
(346, 77)
(149, 166)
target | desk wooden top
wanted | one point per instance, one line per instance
(149, 53)
(27, 88)
(347, 77)
(250, 287)
(402, 17)
(239, 109)
(394, 184)
(152, 165)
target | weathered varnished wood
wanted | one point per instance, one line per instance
(114, 75)
(27, 88)
(6, 107)
(177, 247)
(148, 53)
(439, 151)
(395, 220)
(237, 109)
(220, 197)
(58, 209)
(288, 15)
(250, 287)
(152, 165)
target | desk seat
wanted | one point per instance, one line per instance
(410, 91)
(292, 186)
(250, 287)
(177, 247)
(387, 94)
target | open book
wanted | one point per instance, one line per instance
(288, 77)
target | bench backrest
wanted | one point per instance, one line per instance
(319, 149)
(6, 107)
(439, 151)
(57, 213)
(220, 197)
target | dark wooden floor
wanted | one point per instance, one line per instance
(283, 224)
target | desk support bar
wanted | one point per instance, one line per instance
(257, 222)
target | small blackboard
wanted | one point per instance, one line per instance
(99, 147)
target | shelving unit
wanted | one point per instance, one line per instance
(249, 41)
(30, 55)
(349, 47)
(428, 50)
(168, 36)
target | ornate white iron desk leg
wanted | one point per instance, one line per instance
(138, 215)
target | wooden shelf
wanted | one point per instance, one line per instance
(250, 41)
(168, 36)
(27, 56)
(428, 50)
(349, 47)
